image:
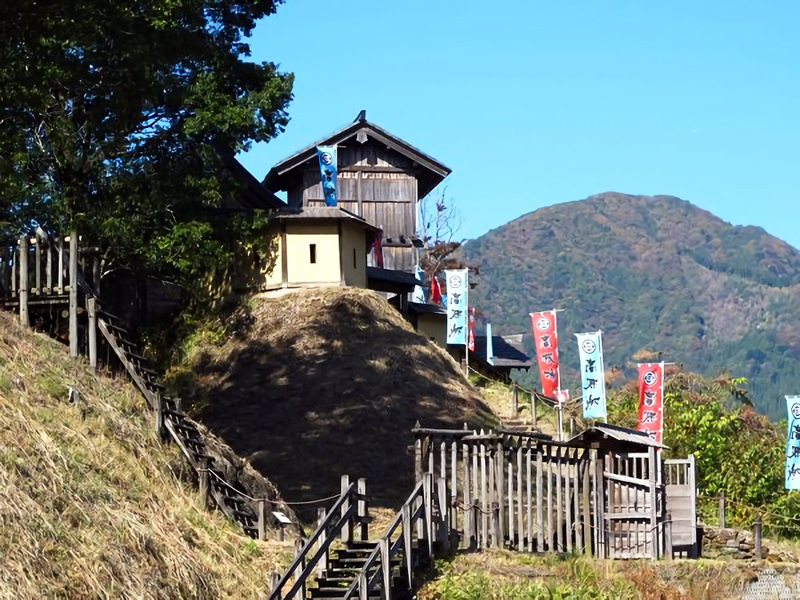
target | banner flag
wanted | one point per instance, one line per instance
(651, 400)
(471, 342)
(377, 250)
(436, 292)
(593, 380)
(793, 444)
(545, 336)
(457, 305)
(489, 344)
(419, 293)
(327, 170)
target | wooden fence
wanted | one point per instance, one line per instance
(530, 493)
(45, 273)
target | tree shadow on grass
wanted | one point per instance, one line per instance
(337, 394)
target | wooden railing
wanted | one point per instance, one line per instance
(415, 522)
(312, 558)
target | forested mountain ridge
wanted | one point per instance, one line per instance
(656, 275)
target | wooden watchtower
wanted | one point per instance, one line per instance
(381, 179)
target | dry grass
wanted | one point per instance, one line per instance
(325, 382)
(90, 506)
(508, 575)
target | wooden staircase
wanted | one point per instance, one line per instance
(173, 423)
(385, 568)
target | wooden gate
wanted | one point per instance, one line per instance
(632, 512)
(680, 491)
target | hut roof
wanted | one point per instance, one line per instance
(252, 194)
(432, 171)
(508, 351)
(323, 213)
(621, 437)
(390, 280)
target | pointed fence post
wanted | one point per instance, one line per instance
(668, 536)
(73, 294)
(204, 487)
(23, 281)
(363, 523)
(262, 519)
(91, 309)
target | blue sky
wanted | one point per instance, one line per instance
(536, 103)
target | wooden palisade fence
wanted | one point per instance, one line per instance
(600, 493)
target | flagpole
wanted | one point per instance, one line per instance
(466, 340)
(558, 375)
(603, 365)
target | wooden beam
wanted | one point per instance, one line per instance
(91, 308)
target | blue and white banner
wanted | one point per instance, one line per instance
(489, 344)
(419, 293)
(793, 444)
(593, 382)
(327, 171)
(457, 305)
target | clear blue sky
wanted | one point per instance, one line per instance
(534, 103)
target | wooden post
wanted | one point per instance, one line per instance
(444, 530)
(347, 530)
(48, 272)
(499, 461)
(73, 294)
(91, 308)
(23, 281)
(60, 283)
(299, 574)
(668, 537)
(467, 499)
(262, 519)
(386, 571)
(520, 519)
(539, 508)
(275, 580)
(757, 536)
(38, 265)
(722, 510)
(161, 431)
(204, 487)
(533, 409)
(651, 455)
(363, 523)
(484, 500)
(323, 560)
(515, 400)
(417, 457)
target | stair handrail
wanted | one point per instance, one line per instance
(387, 549)
(330, 526)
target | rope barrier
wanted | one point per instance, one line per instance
(542, 398)
(243, 495)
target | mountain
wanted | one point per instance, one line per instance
(662, 278)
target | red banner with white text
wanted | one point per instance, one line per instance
(651, 400)
(471, 337)
(545, 335)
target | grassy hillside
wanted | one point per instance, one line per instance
(320, 383)
(661, 278)
(90, 505)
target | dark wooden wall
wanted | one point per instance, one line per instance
(377, 184)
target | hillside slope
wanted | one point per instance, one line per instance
(90, 505)
(321, 383)
(660, 277)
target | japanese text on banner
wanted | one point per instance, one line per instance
(651, 400)
(793, 444)
(327, 171)
(457, 306)
(545, 336)
(593, 381)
